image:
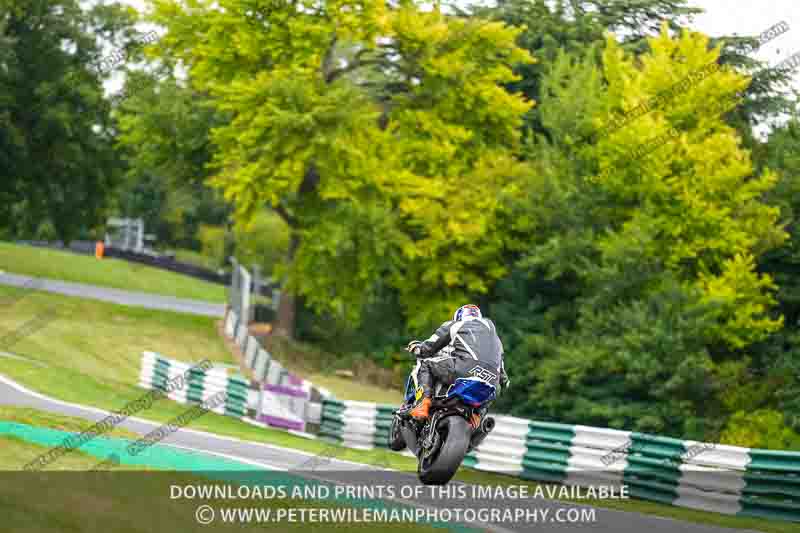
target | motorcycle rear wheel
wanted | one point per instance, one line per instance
(455, 433)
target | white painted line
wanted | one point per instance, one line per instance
(226, 456)
(207, 435)
(21, 358)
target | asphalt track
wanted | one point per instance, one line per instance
(138, 299)
(322, 467)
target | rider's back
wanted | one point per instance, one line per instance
(475, 339)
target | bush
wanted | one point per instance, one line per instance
(264, 242)
(764, 428)
(212, 243)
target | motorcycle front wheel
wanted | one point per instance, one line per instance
(396, 440)
(440, 468)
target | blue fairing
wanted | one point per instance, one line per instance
(473, 392)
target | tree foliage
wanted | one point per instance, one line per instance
(376, 111)
(56, 141)
(166, 151)
(658, 252)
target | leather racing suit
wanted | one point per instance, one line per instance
(467, 348)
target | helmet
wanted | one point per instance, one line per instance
(467, 311)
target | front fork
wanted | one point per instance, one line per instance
(413, 391)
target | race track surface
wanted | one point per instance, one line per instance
(264, 456)
(136, 299)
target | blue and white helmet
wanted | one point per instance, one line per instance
(466, 311)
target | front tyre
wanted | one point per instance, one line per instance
(396, 440)
(455, 433)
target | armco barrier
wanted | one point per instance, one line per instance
(202, 384)
(284, 400)
(709, 477)
(356, 424)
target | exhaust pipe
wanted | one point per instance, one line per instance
(486, 425)
(484, 428)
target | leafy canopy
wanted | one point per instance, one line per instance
(638, 278)
(695, 198)
(391, 113)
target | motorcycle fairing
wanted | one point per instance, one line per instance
(472, 391)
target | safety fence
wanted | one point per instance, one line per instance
(696, 475)
(202, 384)
(705, 476)
(244, 290)
(356, 424)
(284, 400)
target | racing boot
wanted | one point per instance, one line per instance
(422, 411)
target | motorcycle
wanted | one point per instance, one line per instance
(441, 441)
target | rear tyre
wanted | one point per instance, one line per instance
(396, 440)
(438, 470)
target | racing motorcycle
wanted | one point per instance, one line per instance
(441, 441)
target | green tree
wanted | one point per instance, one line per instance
(760, 429)
(652, 246)
(262, 242)
(574, 26)
(698, 207)
(164, 139)
(551, 28)
(776, 362)
(782, 155)
(10, 138)
(389, 113)
(56, 147)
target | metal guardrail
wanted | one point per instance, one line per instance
(243, 289)
(704, 476)
(157, 370)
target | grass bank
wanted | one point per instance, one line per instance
(113, 273)
(349, 379)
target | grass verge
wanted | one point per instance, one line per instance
(15, 452)
(82, 341)
(369, 382)
(113, 273)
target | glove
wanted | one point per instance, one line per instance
(414, 347)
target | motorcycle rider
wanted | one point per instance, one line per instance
(470, 348)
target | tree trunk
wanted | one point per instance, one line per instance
(287, 307)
